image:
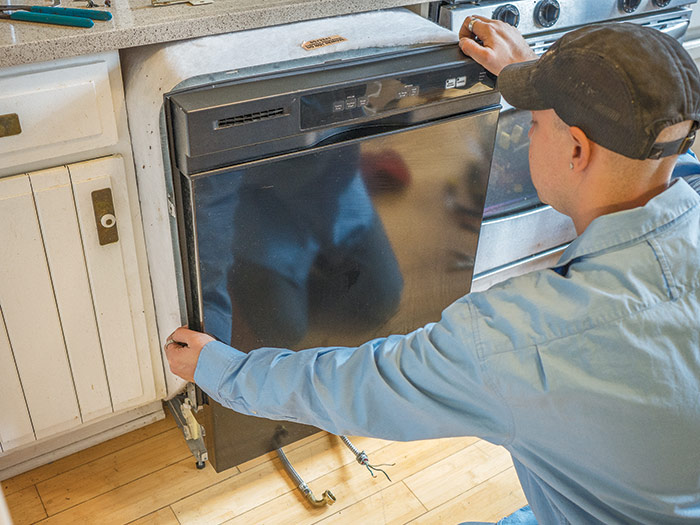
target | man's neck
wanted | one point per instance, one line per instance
(603, 195)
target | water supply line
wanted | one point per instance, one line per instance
(327, 498)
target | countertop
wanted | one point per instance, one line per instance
(138, 23)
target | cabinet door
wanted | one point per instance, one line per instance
(108, 261)
(64, 251)
(56, 112)
(15, 425)
(31, 316)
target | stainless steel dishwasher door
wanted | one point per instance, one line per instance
(334, 246)
(327, 206)
(342, 243)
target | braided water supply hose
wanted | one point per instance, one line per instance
(327, 497)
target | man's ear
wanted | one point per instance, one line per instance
(582, 149)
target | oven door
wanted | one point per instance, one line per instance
(518, 233)
(334, 245)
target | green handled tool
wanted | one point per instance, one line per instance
(63, 16)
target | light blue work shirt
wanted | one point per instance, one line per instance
(588, 373)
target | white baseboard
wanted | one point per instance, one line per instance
(33, 455)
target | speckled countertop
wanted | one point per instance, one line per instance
(137, 23)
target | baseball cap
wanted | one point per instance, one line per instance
(622, 84)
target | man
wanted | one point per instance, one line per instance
(587, 373)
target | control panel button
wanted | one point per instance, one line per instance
(450, 83)
(461, 82)
(413, 91)
(350, 103)
(362, 101)
(338, 106)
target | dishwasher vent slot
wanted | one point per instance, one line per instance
(239, 120)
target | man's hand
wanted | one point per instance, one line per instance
(182, 349)
(502, 44)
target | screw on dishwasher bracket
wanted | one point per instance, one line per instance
(362, 459)
(183, 407)
(327, 497)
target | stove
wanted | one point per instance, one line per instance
(518, 233)
(541, 17)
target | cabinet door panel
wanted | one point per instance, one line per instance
(15, 425)
(30, 313)
(64, 251)
(60, 112)
(106, 271)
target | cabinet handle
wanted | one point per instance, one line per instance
(9, 125)
(105, 220)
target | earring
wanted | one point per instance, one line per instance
(571, 165)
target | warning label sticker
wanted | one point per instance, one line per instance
(310, 45)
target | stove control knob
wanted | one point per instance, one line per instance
(629, 6)
(547, 13)
(507, 13)
(661, 3)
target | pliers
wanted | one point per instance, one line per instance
(62, 16)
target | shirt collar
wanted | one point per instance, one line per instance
(629, 226)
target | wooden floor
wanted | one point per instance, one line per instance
(148, 476)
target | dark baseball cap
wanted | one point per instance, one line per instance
(622, 84)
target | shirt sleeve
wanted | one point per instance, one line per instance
(427, 384)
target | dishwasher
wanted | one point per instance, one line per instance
(317, 200)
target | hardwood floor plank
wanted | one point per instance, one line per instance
(142, 496)
(139, 483)
(160, 517)
(268, 480)
(490, 501)
(107, 473)
(458, 473)
(25, 506)
(392, 506)
(350, 483)
(72, 461)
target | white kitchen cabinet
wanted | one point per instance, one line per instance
(58, 112)
(63, 244)
(80, 359)
(30, 315)
(68, 316)
(15, 425)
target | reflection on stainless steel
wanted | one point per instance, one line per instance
(327, 246)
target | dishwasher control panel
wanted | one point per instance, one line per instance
(401, 92)
(244, 119)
